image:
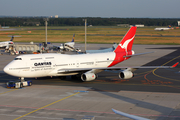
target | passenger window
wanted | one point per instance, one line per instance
(17, 59)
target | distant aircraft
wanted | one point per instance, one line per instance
(84, 66)
(134, 117)
(5, 27)
(7, 43)
(67, 46)
(161, 29)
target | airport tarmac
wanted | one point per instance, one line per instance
(152, 93)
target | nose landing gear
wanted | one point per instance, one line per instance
(22, 79)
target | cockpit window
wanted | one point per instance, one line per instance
(17, 58)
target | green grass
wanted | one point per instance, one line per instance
(65, 33)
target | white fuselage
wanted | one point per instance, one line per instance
(5, 44)
(41, 65)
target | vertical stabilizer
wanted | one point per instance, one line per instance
(73, 38)
(169, 26)
(12, 38)
(126, 43)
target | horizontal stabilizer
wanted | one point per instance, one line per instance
(137, 54)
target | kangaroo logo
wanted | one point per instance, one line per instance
(126, 43)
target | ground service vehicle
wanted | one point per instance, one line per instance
(18, 84)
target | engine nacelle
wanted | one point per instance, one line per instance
(61, 46)
(125, 74)
(88, 76)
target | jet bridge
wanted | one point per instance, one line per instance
(27, 47)
(22, 48)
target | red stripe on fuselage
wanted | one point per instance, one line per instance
(118, 58)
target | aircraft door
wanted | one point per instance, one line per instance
(77, 63)
(95, 62)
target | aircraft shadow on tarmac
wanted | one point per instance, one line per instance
(166, 112)
(164, 88)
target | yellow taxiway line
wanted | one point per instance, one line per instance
(47, 105)
(163, 65)
(7, 91)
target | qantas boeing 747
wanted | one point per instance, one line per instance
(84, 65)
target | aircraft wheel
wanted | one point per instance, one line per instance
(30, 83)
(12, 53)
(75, 77)
(62, 77)
(21, 85)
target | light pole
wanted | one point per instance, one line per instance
(85, 32)
(46, 19)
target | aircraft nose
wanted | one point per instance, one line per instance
(11, 69)
(6, 69)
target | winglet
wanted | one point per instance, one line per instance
(175, 64)
(134, 117)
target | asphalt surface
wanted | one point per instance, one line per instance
(151, 93)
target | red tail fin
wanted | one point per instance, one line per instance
(127, 42)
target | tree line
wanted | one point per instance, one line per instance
(90, 21)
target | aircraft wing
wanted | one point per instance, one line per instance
(134, 117)
(100, 51)
(69, 70)
(103, 50)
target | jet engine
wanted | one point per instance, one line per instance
(88, 76)
(61, 46)
(125, 74)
